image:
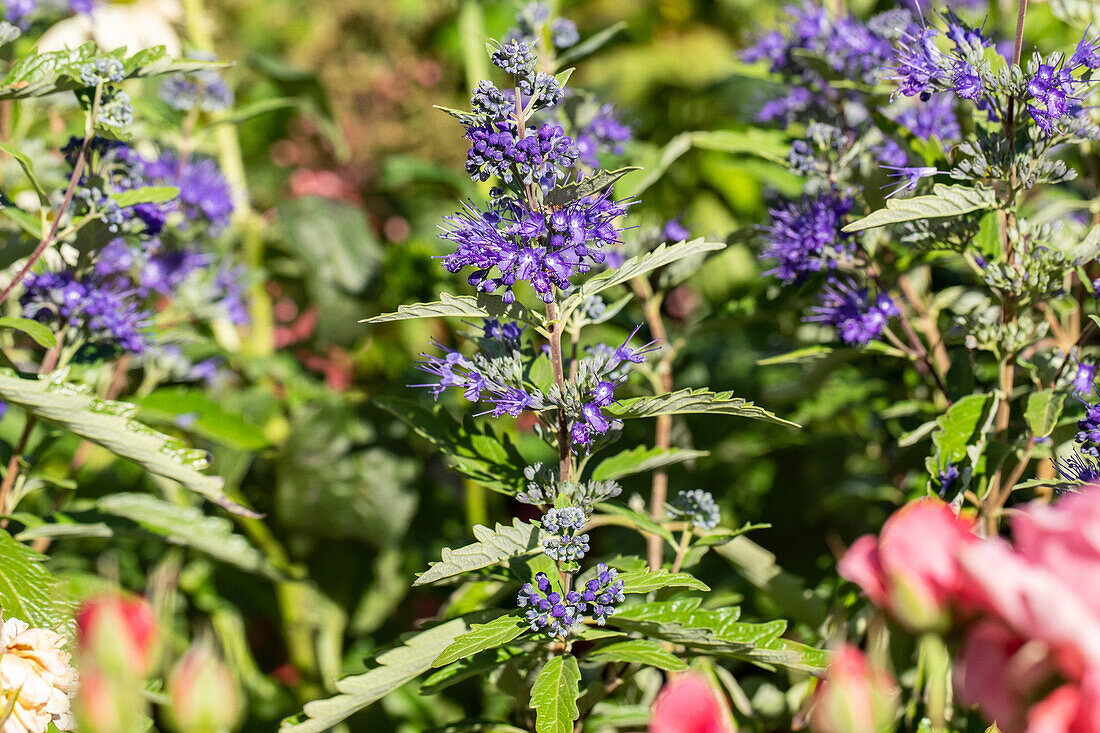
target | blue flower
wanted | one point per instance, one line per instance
(101, 313)
(857, 317)
(947, 478)
(1088, 431)
(805, 236)
(1076, 467)
(966, 81)
(934, 117)
(908, 177)
(674, 231)
(918, 68)
(604, 133)
(1051, 95)
(1084, 378)
(563, 32)
(1087, 52)
(548, 610)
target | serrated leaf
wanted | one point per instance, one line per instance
(492, 546)
(1044, 409)
(589, 45)
(641, 459)
(466, 118)
(554, 695)
(945, 201)
(189, 527)
(28, 591)
(111, 425)
(664, 254)
(693, 401)
(461, 306)
(38, 74)
(480, 637)
(40, 332)
(644, 581)
(638, 651)
(145, 195)
(567, 193)
(396, 667)
(957, 427)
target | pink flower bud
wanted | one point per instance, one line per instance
(689, 704)
(911, 570)
(119, 634)
(856, 697)
(107, 704)
(203, 692)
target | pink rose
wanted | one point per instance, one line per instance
(911, 569)
(856, 696)
(689, 704)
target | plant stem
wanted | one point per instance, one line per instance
(658, 493)
(682, 548)
(994, 501)
(74, 179)
(557, 365)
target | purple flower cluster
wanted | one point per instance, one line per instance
(1076, 467)
(921, 68)
(101, 313)
(857, 317)
(1084, 379)
(805, 236)
(567, 542)
(544, 250)
(932, 117)
(1088, 431)
(604, 133)
(541, 156)
(205, 196)
(591, 421)
(549, 610)
(852, 49)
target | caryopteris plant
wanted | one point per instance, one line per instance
(552, 617)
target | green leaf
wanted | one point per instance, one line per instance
(395, 668)
(946, 201)
(798, 356)
(693, 401)
(576, 190)
(464, 669)
(492, 546)
(29, 223)
(146, 195)
(28, 591)
(641, 459)
(788, 591)
(590, 45)
(641, 521)
(466, 118)
(199, 413)
(28, 169)
(461, 306)
(38, 74)
(1044, 409)
(189, 527)
(770, 145)
(480, 637)
(111, 425)
(957, 427)
(638, 651)
(472, 450)
(643, 581)
(554, 695)
(664, 254)
(41, 333)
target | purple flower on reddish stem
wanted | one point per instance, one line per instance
(636, 356)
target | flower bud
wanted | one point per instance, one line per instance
(119, 635)
(107, 704)
(856, 697)
(203, 692)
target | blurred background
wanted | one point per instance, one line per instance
(349, 170)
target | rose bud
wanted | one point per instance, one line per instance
(690, 704)
(119, 633)
(856, 696)
(203, 692)
(106, 704)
